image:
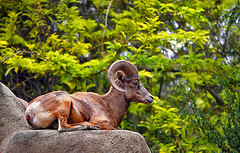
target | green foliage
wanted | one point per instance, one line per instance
(187, 53)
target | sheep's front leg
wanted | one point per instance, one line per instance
(103, 125)
(75, 128)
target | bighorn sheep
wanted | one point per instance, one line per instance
(86, 110)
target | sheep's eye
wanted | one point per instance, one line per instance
(135, 84)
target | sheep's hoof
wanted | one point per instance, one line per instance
(75, 128)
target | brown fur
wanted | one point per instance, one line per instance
(85, 108)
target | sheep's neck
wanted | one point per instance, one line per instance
(117, 103)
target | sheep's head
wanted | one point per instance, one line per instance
(123, 76)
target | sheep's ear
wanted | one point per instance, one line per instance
(121, 75)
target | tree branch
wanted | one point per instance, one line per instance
(106, 18)
(215, 95)
(22, 52)
(179, 144)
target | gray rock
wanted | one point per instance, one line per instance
(51, 141)
(12, 117)
(16, 136)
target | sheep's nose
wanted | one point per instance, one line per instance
(151, 97)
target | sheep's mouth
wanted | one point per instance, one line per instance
(148, 102)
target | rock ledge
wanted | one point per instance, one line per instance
(16, 136)
(51, 141)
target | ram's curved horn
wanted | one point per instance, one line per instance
(122, 66)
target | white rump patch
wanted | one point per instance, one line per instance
(32, 108)
(43, 119)
(40, 117)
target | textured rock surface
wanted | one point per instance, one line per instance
(16, 137)
(51, 141)
(12, 116)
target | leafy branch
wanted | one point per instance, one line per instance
(19, 52)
